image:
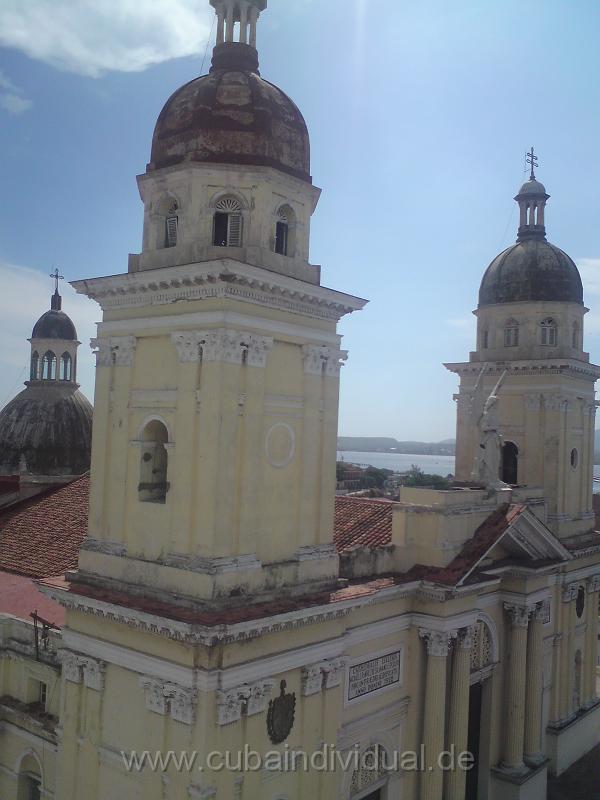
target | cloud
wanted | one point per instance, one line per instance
(11, 96)
(25, 296)
(590, 274)
(92, 37)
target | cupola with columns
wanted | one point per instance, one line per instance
(530, 323)
(213, 465)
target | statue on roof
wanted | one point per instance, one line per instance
(486, 468)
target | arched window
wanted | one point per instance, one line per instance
(49, 366)
(66, 367)
(35, 366)
(511, 333)
(549, 332)
(284, 231)
(154, 462)
(228, 223)
(575, 340)
(30, 779)
(510, 463)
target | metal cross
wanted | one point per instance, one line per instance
(533, 160)
(57, 277)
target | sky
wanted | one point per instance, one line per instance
(420, 115)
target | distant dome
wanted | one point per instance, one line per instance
(46, 430)
(531, 270)
(54, 325)
(532, 187)
(232, 116)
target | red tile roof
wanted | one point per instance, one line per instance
(362, 522)
(41, 536)
(20, 596)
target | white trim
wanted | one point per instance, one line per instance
(147, 420)
(377, 630)
(445, 624)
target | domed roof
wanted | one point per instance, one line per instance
(532, 269)
(54, 325)
(532, 186)
(232, 116)
(46, 430)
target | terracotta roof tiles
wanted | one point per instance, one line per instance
(362, 522)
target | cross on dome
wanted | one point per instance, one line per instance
(56, 303)
(532, 159)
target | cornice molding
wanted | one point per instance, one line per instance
(533, 367)
(218, 279)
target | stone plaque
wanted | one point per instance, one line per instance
(374, 674)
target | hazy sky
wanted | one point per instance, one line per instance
(419, 114)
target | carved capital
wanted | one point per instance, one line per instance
(438, 642)
(541, 612)
(117, 350)
(569, 592)
(187, 345)
(333, 671)
(555, 402)
(169, 698)
(321, 360)
(93, 673)
(222, 345)
(518, 615)
(258, 697)
(312, 680)
(593, 583)
(71, 666)
(258, 348)
(181, 701)
(464, 639)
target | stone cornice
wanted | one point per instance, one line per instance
(218, 279)
(535, 367)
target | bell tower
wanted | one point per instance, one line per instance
(218, 358)
(530, 331)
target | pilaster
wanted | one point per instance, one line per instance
(512, 760)
(458, 723)
(533, 690)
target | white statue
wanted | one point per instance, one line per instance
(486, 468)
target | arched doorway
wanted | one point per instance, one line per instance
(30, 778)
(370, 780)
(510, 463)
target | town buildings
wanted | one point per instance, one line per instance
(213, 610)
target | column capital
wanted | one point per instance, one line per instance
(117, 350)
(519, 615)
(464, 639)
(323, 360)
(169, 698)
(222, 344)
(244, 700)
(593, 583)
(438, 642)
(569, 592)
(541, 611)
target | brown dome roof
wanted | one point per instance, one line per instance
(46, 430)
(232, 116)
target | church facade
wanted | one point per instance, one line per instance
(211, 616)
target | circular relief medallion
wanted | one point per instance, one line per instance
(280, 445)
(280, 716)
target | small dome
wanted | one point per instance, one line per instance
(232, 116)
(531, 270)
(54, 325)
(46, 430)
(532, 187)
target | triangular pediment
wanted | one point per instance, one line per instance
(525, 538)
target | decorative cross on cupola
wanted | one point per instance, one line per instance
(232, 12)
(56, 302)
(532, 200)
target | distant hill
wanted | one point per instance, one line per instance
(384, 444)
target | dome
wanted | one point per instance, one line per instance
(46, 430)
(532, 187)
(531, 270)
(232, 116)
(54, 325)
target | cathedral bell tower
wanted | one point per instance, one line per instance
(530, 330)
(218, 360)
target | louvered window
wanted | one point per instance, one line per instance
(549, 333)
(49, 366)
(35, 366)
(228, 223)
(171, 232)
(511, 333)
